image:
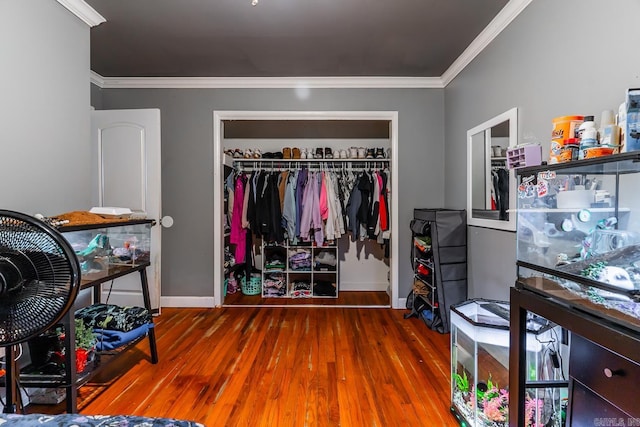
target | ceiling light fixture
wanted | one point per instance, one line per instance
(254, 2)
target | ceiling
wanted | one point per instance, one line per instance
(284, 38)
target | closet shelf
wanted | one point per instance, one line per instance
(263, 160)
(228, 160)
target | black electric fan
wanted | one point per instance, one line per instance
(39, 281)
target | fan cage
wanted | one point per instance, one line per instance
(39, 277)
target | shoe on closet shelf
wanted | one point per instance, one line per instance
(328, 153)
(362, 152)
(248, 153)
(278, 155)
(295, 153)
(353, 153)
(370, 153)
(286, 153)
(379, 153)
(319, 153)
(237, 153)
(257, 153)
(342, 154)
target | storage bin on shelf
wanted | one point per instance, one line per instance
(524, 155)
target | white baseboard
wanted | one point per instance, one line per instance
(207, 302)
(187, 302)
(364, 286)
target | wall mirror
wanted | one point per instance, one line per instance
(490, 185)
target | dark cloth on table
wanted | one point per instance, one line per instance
(113, 317)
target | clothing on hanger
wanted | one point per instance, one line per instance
(304, 204)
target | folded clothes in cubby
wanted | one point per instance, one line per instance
(326, 258)
(300, 261)
(324, 288)
(301, 289)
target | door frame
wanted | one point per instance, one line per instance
(218, 180)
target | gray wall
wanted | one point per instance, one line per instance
(187, 162)
(556, 58)
(44, 108)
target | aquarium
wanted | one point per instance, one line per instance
(578, 234)
(480, 366)
(103, 249)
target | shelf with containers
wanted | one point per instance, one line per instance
(105, 252)
(578, 265)
(300, 270)
(439, 258)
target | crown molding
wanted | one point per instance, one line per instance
(96, 79)
(508, 13)
(83, 11)
(265, 82)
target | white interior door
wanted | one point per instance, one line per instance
(127, 173)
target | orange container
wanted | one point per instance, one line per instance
(568, 153)
(592, 152)
(564, 128)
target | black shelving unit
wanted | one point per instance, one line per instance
(448, 231)
(72, 380)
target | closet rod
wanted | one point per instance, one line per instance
(248, 164)
(263, 160)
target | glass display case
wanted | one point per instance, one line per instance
(480, 366)
(578, 235)
(106, 249)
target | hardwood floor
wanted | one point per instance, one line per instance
(288, 366)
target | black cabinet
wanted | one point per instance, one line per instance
(441, 266)
(604, 361)
(598, 376)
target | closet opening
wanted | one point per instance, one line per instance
(262, 257)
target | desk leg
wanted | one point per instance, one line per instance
(97, 294)
(147, 305)
(71, 375)
(12, 395)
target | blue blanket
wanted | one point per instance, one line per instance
(107, 339)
